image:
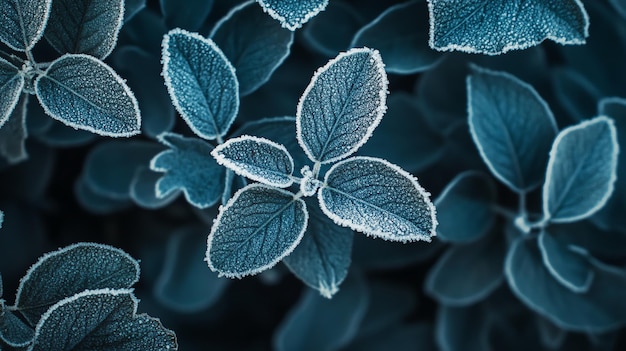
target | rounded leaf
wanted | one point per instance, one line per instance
(568, 267)
(342, 105)
(84, 93)
(11, 84)
(22, 22)
(378, 198)
(256, 229)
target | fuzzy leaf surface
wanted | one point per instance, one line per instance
(13, 330)
(201, 82)
(511, 125)
(464, 208)
(379, 199)
(100, 320)
(85, 26)
(322, 258)
(256, 229)
(570, 268)
(342, 105)
(254, 43)
(401, 37)
(494, 27)
(83, 92)
(22, 22)
(188, 166)
(70, 270)
(11, 84)
(582, 170)
(292, 14)
(257, 158)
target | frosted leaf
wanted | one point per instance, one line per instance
(11, 84)
(256, 229)
(22, 22)
(14, 132)
(259, 159)
(100, 320)
(309, 184)
(70, 270)
(254, 43)
(201, 83)
(496, 26)
(568, 267)
(143, 190)
(188, 166)
(85, 26)
(292, 14)
(511, 125)
(378, 198)
(84, 93)
(342, 105)
(581, 171)
(13, 331)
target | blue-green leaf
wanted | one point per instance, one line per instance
(568, 267)
(58, 135)
(497, 26)
(462, 329)
(598, 310)
(451, 282)
(143, 189)
(83, 92)
(185, 284)
(254, 43)
(13, 331)
(582, 170)
(576, 94)
(201, 82)
(259, 159)
(292, 14)
(95, 202)
(551, 335)
(401, 35)
(465, 208)
(110, 166)
(332, 30)
(142, 69)
(100, 320)
(22, 22)
(190, 15)
(13, 133)
(620, 6)
(378, 198)
(341, 106)
(256, 229)
(188, 166)
(512, 126)
(11, 84)
(132, 7)
(322, 258)
(70, 270)
(85, 26)
(319, 324)
(388, 255)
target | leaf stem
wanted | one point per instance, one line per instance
(18, 61)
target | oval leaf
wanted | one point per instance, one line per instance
(101, 319)
(341, 106)
(13, 134)
(110, 166)
(188, 166)
(581, 171)
(95, 202)
(201, 83)
(293, 14)
(598, 310)
(254, 43)
(22, 22)
(13, 331)
(259, 159)
(83, 92)
(257, 228)
(451, 282)
(332, 31)
(497, 26)
(315, 323)
(570, 268)
(185, 284)
(512, 126)
(464, 208)
(378, 198)
(11, 84)
(85, 26)
(401, 37)
(70, 270)
(322, 258)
